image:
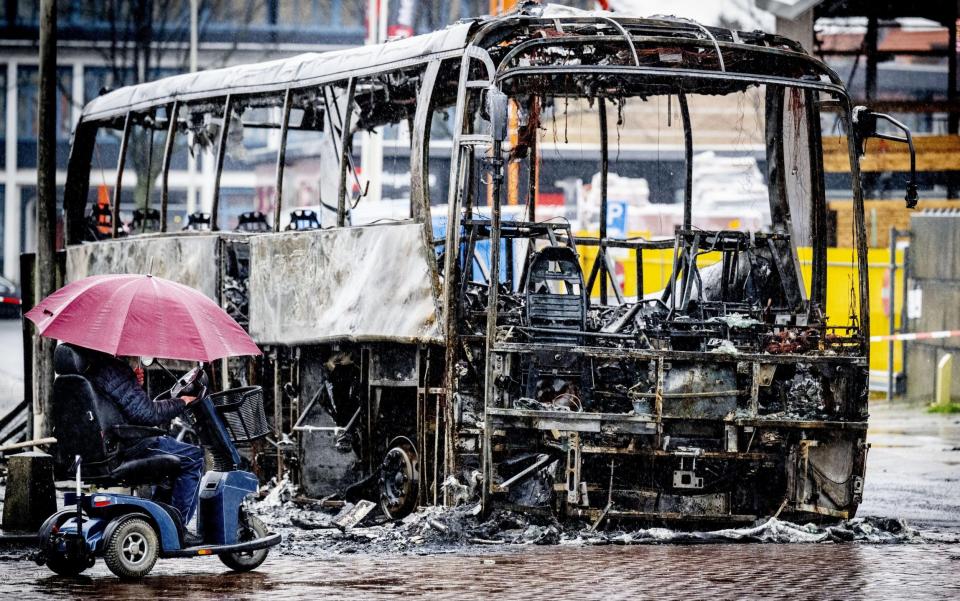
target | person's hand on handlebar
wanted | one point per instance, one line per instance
(188, 399)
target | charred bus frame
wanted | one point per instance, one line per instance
(422, 393)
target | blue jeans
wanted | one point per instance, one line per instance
(187, 483)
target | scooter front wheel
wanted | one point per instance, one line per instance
(132, 549)
(245, 561)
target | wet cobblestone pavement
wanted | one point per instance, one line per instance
(913, 473)
(928, 571)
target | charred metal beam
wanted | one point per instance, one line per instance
(818, 206)
(669, 76)
(533, 185)
(496, 162)
(221, 155)
(687, 159)
(779, 209)
(669, 291)
(345, 140)
(420, 150)
(689, 269)
(629, 244)
(604, 168)
(505, 485)
(146, 198)
(603, 352)
(568, 421)
(451, 246)
(121, 161)
(78, 183)
(638, 258)
(860, 231)
(173, 111)
(282, 158)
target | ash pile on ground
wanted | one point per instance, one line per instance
(308, 529)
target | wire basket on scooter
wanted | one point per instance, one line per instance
(242, 412)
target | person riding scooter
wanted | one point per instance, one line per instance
(123, 385)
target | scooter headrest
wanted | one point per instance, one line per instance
(68, 360)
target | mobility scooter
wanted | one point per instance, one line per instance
(131, 532)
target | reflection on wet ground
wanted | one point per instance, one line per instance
(612, 572)
(912, 473)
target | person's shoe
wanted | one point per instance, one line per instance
(192, 540)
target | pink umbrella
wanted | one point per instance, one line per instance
(141, 315)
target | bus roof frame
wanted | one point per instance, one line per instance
(303, 70)
(313, 69)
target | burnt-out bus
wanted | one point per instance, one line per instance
(474, 344)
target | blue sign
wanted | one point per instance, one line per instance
(617, 219)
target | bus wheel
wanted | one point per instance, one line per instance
(399, 480)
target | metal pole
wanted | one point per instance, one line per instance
(904, 313)
(194, 33)
(371, 142)
(604, 168)
(871, 41)
(28, 287)
(891, 294)
(192, 161)
(46, 204)
(953, 121)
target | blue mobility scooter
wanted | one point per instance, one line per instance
(131, 532)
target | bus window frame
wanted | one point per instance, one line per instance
(704, 77)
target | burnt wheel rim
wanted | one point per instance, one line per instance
(399, 481)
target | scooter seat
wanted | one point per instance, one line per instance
(146, 470)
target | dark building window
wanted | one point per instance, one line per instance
(341, 13)
(27, 123)
(96, 79)
(234, 12)
(3, 114)
(3, 231)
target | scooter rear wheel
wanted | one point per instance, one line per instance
(248, 560)
(57, 561)
(132, 549)
(65, 566)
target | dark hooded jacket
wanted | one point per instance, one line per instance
(115, 379)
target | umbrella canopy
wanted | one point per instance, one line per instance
(141, 315)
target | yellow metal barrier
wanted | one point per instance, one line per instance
(841, 285)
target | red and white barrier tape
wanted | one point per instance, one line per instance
(917, 336)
